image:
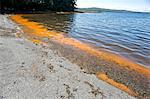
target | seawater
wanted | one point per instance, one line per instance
(123, 33)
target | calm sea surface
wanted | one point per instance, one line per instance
(126, 34)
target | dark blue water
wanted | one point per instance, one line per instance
(127, 34)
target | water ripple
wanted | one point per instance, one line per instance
(127, 34)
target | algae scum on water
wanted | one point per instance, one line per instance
(123, 33)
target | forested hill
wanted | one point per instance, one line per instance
(24, 5)
(98, 10)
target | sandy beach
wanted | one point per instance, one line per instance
(34, 69)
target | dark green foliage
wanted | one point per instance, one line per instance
(64, 5)
(32, 5)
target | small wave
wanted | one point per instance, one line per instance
(123, 33)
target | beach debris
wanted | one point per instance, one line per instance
(94, 91)
(70, 95)
(51, 68)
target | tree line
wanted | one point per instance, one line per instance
(53, 5)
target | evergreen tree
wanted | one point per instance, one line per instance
(54, 5)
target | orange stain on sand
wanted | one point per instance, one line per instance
(35, 41)
(35, 29)
(105, 78)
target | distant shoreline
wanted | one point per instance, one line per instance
(97, 10)
(77, 10)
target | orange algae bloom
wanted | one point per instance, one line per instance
(36, 30)
(105, 78)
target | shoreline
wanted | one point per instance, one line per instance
(58, 37)
(111, 66)
(35, 70)
(121, 57)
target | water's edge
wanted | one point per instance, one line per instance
(118, 69)
(125, 34)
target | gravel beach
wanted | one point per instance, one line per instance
(34, 71)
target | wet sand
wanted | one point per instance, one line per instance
(35, 70)
(121, 73)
